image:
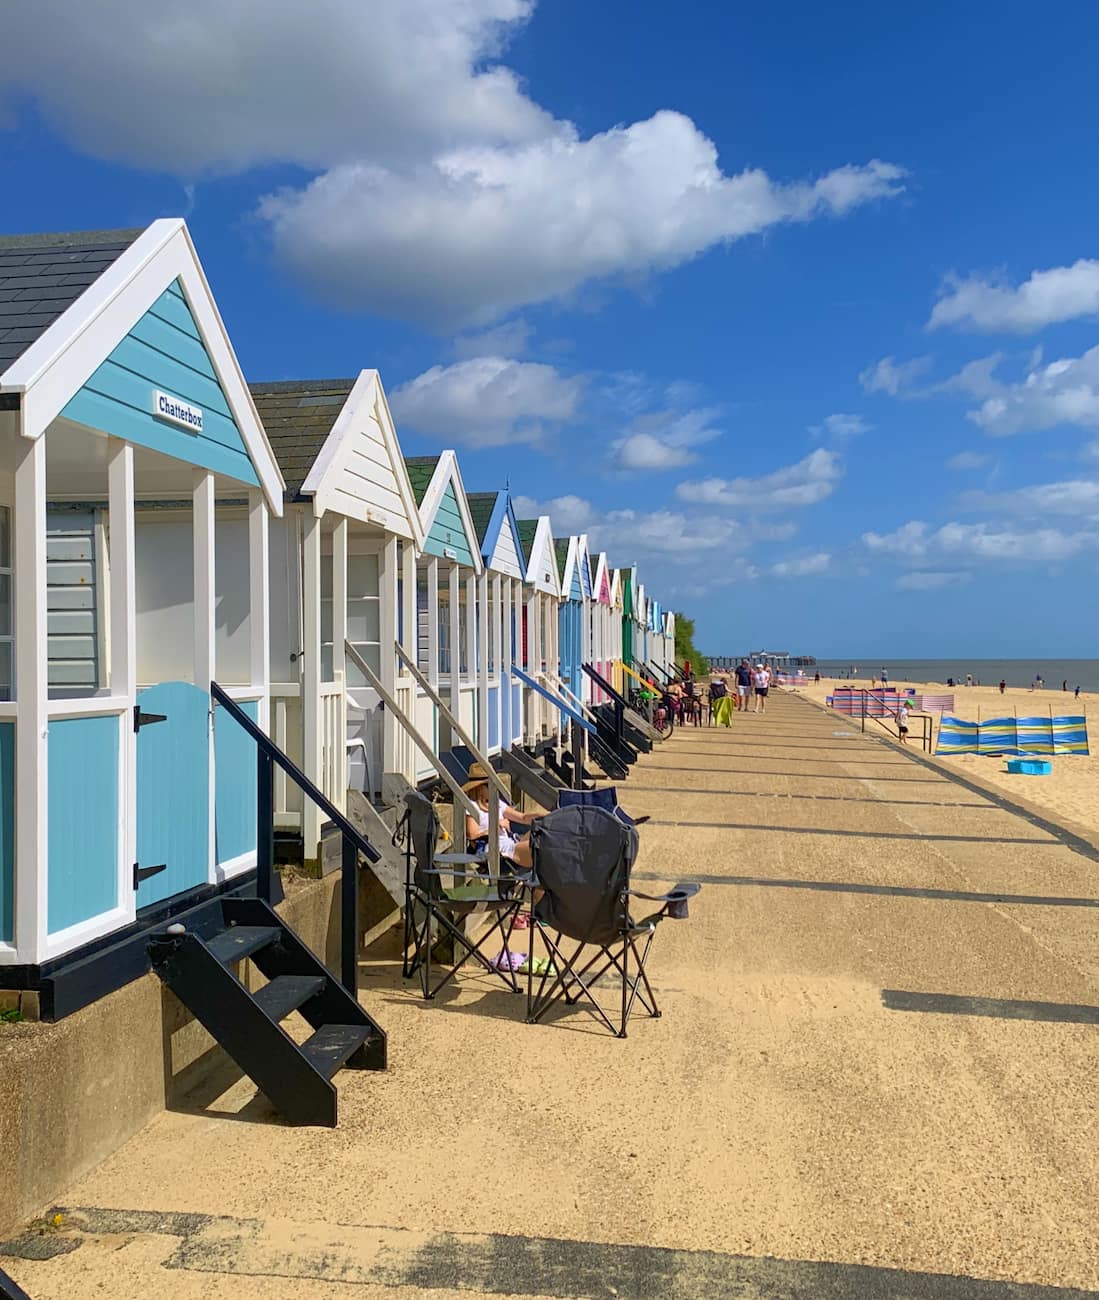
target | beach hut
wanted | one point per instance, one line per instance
(542, 597)
(449, 587)
(573, 616)
(351, 520)
(136, 483)
(669, 641)
(599, 617)
(618, 676)
(504, 570)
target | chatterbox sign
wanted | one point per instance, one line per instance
(176, 411)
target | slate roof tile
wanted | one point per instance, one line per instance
(298, 415)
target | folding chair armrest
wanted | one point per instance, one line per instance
(677, 895)
(479, 876)
(461, 857)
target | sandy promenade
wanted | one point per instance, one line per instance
(874, 1077)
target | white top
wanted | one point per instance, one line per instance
(507, 842)
(760, 676)
(902, 716)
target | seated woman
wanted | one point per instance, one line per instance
(514, 850)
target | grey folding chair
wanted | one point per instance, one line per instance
(583, 857)
(441, 890)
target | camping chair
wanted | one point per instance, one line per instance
(606, 798)
(583, 857)
(692, 704)
(431, 904)
(718, 691)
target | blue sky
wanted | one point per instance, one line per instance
(793, 306)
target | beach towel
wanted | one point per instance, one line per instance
(723, 711)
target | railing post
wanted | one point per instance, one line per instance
(265, 825)
(577, 757)
(349, 918)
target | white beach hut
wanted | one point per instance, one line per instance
(135, 488)
(542, 598)
(351, 527)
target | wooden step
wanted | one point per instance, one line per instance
(241, 941)
(285, 993)
(332, 1045)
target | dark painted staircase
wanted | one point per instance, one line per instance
(198, 966)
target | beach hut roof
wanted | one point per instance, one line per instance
(494, 519)
(528, 528)
(72, 300)
(337, 445)
(540, 554)
(445, 517)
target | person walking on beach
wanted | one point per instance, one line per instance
(902, 723)
(761, 681)
(1076, 696)
(743, 685)
(1003, 686)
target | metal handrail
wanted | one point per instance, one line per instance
(375, 682)
(448, 714)
(565, 709)
(926, 722)
(568, 695)
(268, 757)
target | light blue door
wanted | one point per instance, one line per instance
(173, 790)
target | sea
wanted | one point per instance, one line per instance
(1016, 672)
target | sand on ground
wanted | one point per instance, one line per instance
(1070, 792)
(874, 1077)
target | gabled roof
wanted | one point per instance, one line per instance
(41, 276)
(298, 416)
(430, 477)
(123, 274)
(616, 586)
(494, 517)
(337, 445)
(527, 530)
(577, 561)
(481, 506)
(561, 549)
(601, 576)
(540, 554)
(420, 472)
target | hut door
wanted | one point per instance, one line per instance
(173, 790)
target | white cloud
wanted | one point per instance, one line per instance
(892, 376)
(627, 535)
(917, 540)
(261, 81)
(930, 580)
(804, 566)
(647, 451)
(1062, 392)
(511, 339)
(809, 481)
(568, 514)
(1070, 497)
(841, 426)
(1045, 298)
(968, 460)
(975, 379)
(663, 439)
(480, 231)
(487, 401)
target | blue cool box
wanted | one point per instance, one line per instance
(1030, 766)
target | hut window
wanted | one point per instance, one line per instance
(444, 630)
(5, 603)
(463, 634)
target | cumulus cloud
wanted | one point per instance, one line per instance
(802, 566)
(480, 231)
(568, 514)
(994, 305)
(983, 541)
(266, 81)
(841, 426)
(1069, 497)
(487, 401)
(1062, 392)
(510, 339)
(968, 460)
(804, 484)
(931, 580)
(663, 439)
(892, 376)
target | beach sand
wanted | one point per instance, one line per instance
(1070, 793)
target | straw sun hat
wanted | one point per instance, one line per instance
(474, 777)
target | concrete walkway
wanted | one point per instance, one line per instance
(876, 1075)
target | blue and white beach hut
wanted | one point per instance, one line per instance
(575, 597)
(136, 483)
(502, 601)
(447, 583)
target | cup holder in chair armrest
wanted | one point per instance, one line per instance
(675, 900)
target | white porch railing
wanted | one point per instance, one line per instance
(286, 732)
